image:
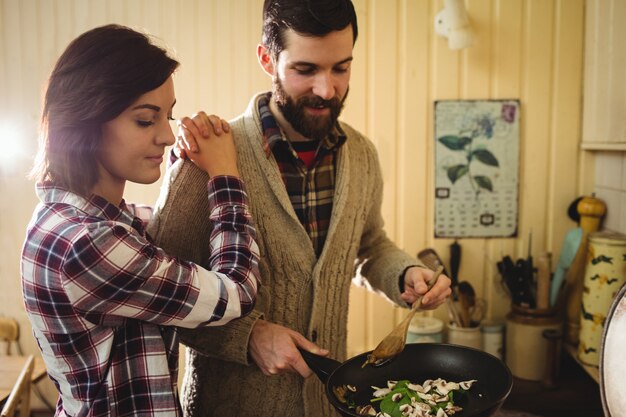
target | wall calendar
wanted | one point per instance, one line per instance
(477, 168)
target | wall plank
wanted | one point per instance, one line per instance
(526, 49)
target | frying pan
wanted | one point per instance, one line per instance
(417, 363)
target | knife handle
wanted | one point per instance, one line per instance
(455, 262)
(543, 280)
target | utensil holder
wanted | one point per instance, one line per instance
(526, 348)
(493, 339)
(465, 336)
(551, 376)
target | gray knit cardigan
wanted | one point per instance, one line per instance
(299, 291)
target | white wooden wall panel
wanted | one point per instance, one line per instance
(605, 78)
(526, 49)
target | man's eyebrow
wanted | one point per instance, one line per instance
(147, 106)
(345, 61)
(310, 64)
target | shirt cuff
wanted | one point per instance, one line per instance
(226, 190)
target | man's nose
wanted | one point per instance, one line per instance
(324, 86)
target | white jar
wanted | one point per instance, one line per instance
(493, 339)
(465, 336)
(425, 330)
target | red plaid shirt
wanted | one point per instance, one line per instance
(311, 189)
(103, 300)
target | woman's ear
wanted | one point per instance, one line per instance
(265, 59)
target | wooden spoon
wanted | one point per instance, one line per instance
(467, 299)
(393, 344)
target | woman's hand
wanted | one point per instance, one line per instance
(208, 142)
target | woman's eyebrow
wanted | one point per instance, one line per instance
(147, 106)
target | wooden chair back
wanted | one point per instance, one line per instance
(19, 399)
(9, 332)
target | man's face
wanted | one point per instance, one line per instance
(311, 78)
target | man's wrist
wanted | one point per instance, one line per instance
(401, 278)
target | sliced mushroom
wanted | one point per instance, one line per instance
(365, 410)
(406, 409)
(467, 384)
(396, 397)
(380, 392)
(340, 393)
(424, 397)
(415, 387)
(440, 398)
(425, 408)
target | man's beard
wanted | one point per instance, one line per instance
(312, 127)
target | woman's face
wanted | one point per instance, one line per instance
(133, 144)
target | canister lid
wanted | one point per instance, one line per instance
(608, 238)
(425, 325)
(492, 327)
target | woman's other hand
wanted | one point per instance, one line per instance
(208, 142)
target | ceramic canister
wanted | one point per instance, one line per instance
(465, 336)
(493, 339)
(526, 348)
(605, 273)
(425, 330)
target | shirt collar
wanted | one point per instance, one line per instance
(272, 134)
(95, 205)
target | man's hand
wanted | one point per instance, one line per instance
(274, 349)
(415, 284)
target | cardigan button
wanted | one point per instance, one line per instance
(314, 336)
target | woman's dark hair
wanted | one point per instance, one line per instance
(306, 17)
(100, 74)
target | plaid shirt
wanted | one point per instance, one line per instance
(311, 191)
(103, 300)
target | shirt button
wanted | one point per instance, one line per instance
(314, 336)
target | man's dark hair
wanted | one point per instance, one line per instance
(306, 17)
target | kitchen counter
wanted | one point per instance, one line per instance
(592, 371)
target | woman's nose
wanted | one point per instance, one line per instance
(166, 135)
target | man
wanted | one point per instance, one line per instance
(315, 190)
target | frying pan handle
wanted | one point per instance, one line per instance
(321, 365)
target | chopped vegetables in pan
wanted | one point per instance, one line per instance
(405, 399)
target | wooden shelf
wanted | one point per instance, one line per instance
(603, 146)
(593, 371)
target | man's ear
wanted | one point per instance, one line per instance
(265, 59)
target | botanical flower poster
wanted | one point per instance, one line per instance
(477, 168)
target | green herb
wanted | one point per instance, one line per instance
(410, 397)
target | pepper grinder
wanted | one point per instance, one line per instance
(591, 210)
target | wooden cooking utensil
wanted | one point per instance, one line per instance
(543, 280)
(393, 344)
(467, 300)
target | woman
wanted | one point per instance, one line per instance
(103, 301)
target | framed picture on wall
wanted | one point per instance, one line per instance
(476, 168)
